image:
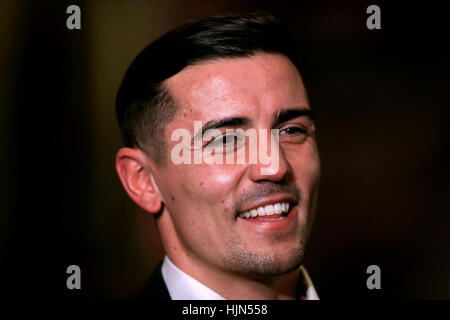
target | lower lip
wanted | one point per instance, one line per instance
(272, 225)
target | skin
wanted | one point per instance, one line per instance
(197, 205)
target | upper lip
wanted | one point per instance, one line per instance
(269, 200)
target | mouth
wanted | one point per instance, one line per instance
(270, 212)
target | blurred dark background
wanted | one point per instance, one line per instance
(381, 99)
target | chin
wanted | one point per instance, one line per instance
(270, 263)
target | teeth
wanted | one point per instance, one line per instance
(277, 208)
(261, 211)
(267, 210)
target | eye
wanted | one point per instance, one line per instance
(293, 130)
(294, 134)
(227, 141)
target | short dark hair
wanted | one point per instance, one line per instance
(143, 103)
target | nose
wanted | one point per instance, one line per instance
(271, 164)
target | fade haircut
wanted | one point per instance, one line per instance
(143, 103)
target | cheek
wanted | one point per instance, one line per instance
(215, 177)
(200, 184)
(307, 169)
(199, 199)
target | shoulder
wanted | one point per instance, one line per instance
(154, 288)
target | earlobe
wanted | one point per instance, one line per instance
(137, 179)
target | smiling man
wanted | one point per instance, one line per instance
(230, 229)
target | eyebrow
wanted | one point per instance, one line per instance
(291, 113)
(224, 122)
(279, 117)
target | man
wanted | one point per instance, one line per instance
(230, 229)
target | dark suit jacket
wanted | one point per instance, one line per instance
(154, 288)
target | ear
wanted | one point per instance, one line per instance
(137, 179)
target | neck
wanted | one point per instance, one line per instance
(282, 287)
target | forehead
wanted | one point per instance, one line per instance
(253, 85)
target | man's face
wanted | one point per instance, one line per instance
(204, 201)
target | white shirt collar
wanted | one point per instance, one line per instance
(311, 293)
(182, 286)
